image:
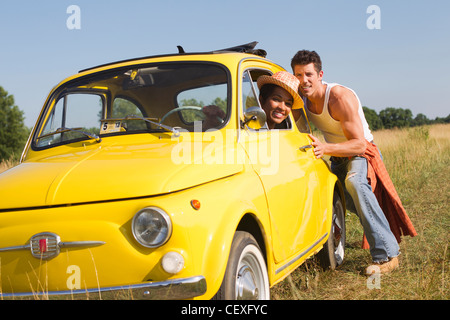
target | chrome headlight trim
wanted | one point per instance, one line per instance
(154, 224)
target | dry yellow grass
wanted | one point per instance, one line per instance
(5, 165)
(418, 160)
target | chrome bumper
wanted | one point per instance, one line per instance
(176, 289)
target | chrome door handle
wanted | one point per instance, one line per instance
(304, 148)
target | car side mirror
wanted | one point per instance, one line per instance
(254, 118)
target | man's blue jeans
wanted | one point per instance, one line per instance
(360, 198)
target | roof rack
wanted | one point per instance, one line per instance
(244, 48)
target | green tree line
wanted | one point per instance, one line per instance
(398, 118)
(13, 132)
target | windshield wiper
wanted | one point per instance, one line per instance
(174, 130)
(79, 130)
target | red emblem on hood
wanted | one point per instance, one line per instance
(43, 245)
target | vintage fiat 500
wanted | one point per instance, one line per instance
(158, 178)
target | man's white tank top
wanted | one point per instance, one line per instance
(331, 129)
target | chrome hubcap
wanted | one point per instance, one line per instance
(338, 238)
(246, 286)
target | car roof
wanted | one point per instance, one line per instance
(248, 48)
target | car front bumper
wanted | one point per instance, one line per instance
(175, 289)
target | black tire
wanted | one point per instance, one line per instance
(246, 275)
(332, 254)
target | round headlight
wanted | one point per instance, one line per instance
(151, 227)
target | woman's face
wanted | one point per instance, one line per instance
(277, 106)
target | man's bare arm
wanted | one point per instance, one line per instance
(343, 107)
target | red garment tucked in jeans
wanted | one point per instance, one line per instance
(387, 196)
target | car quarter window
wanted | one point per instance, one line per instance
(250, 92)
(78, 111)
(302, 122)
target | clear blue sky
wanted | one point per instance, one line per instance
(405, 64)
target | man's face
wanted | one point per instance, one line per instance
(309, 78)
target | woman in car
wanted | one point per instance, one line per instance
(278, 96)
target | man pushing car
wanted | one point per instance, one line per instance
(337, 112)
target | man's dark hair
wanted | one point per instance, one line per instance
(306, 57)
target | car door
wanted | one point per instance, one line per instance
(288, 176)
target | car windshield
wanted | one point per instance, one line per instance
(165, 97)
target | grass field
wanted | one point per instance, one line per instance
(418, 160)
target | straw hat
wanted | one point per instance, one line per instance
(287, 81)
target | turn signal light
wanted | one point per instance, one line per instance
(195, 204)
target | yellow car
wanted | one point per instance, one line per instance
(157, 178)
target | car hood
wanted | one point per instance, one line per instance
(115, 172)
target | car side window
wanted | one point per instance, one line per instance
(250, 93)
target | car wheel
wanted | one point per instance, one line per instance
(246, 274)
(332, 254)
